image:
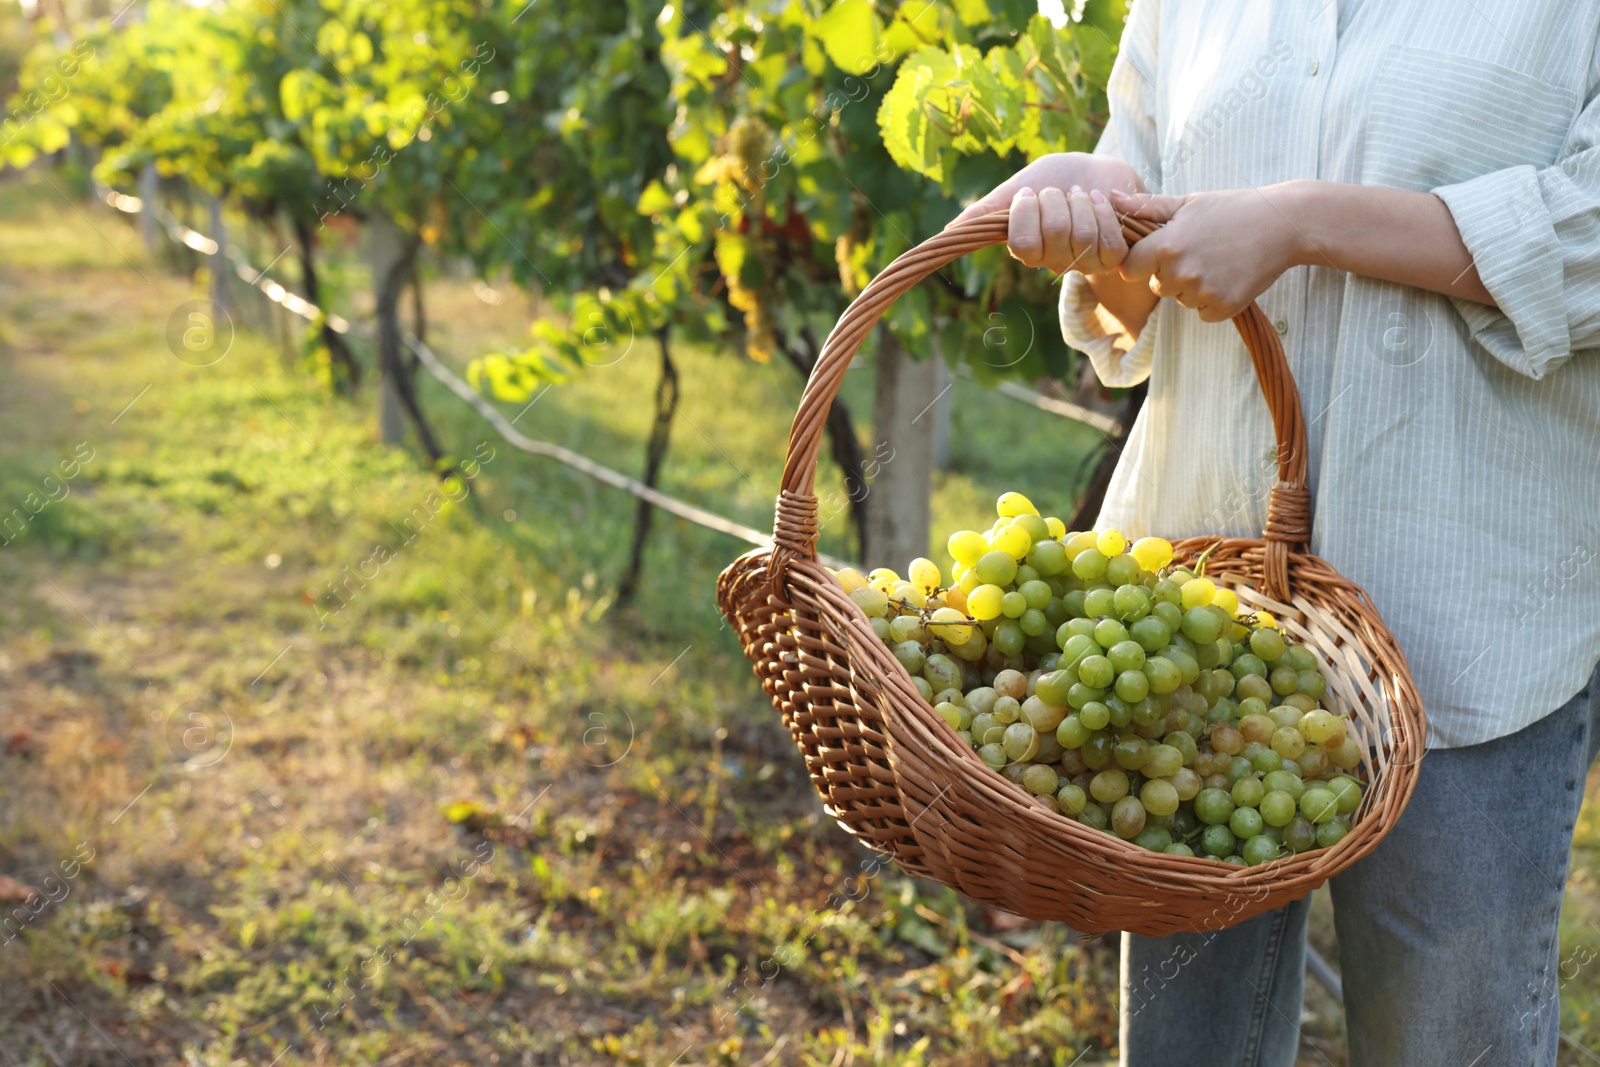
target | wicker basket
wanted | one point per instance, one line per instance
(893, 773)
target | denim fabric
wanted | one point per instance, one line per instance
(1447, 932)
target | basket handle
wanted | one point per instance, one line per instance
(795, 528)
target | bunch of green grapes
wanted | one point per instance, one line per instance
(1120, 690)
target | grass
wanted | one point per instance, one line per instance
(467, 811)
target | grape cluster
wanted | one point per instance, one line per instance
(1122, 691)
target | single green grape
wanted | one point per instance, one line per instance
(1284, 715)
(1311, 684)
(1288, 743)
(1099, 602)
(996, 568)
(1094, 715)
(1121, 711)
(1128, 818)
(1346, 793)
(1213, 806)
(1132, 603)
(984, 602)
(1238, 768)
(1013, 540)
(1319, 804)
(1159, 796)
(1033, 525)
(966, 547)
(1277, 808)
(1162, 761)
(1285, 781)
(1109, 632)
(1040, 780)
(1072, 733)
(1259, 849)
(1131, 753)
(1071, 799)
(1217, 841)
(1147, 712)
(1188, 666)
(1267, 761)
(912, 658)
(1096, 816)
(1096, 752)
(1132, 685)
(1009, 638)
(1200, 625)
(1248, 792)
(1096, 671)
(1154, 838)
(1347, 756)
(1300, 835)
(1332, 832)
(1151, 633)
(1314, 763)
(1122, 569)
(1042, 716)
(1178, 848)
(1022, 742)
(1080, 695)
(1048, 557)
(1267, 643)
(993, 755)
(1109, 785)
(1167, 591)
(1125, 654)
(1171, 615)
(1090, 564)
(1163, 674)
(1035, 594)
(1245, 823)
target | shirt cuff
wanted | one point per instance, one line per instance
(1118, 359)
(1508, 232)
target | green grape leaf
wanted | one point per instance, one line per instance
(849, 30)
(655, 200)
(972, 12)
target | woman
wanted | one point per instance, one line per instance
(1411, 190)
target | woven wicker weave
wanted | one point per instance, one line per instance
(894, 773)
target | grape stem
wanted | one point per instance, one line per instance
(926, 614)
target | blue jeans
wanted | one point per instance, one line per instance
(1447, 931)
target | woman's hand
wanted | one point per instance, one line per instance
(1061, 218)
(1217, 251)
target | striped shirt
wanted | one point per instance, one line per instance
(1454, 448)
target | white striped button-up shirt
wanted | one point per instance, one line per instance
(1454, 448)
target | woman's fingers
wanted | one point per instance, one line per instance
(1113, 247)
(1055, 221)
(1085, 233)
(1024, 234)
(1150, 206)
